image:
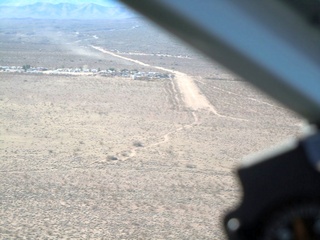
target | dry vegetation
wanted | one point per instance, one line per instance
(109, 158)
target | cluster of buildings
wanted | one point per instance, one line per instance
(19, 69)
(111, 72)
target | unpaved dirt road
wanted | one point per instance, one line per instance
(192, 96)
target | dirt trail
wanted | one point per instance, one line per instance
(192, 96)
(164, 139)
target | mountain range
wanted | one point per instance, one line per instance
(65, 11)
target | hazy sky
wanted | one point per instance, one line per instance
(110, 3)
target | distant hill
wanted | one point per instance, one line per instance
(65, 11)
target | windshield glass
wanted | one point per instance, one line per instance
(112, 129)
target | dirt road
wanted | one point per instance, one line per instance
(192, 96)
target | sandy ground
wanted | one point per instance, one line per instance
(89, 157)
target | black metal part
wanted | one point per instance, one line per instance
(309, 9)
(271, 185)
(312, 146)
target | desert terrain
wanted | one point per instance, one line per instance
(87, 156)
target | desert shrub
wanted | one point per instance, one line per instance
(112, 158)
(137, 144)
(191, 166)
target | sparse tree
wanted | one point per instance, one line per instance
(26, 67)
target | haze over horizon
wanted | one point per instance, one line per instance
(106, 3)
(59, 9)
